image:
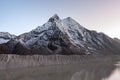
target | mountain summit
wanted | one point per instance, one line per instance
(54, 18)
(61, 36)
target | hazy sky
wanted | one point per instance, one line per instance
(18, 16)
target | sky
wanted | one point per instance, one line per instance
(19, 16)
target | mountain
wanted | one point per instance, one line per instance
(61, 36)
(116, 39)
(5, 37)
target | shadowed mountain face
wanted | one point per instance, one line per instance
(59, 36)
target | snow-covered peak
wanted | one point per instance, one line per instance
(67, 26)
(71, 22)
(72, 31)
(62, 36)
(54, 18)
(5, 37)
(64, 25)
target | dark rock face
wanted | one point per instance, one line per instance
(4, 49)
(66, 37)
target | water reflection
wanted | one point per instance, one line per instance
(115, 75)
(88, 71)
(108, 71)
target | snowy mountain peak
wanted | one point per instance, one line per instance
(55, 17)
(71, 21)
(61, 36)
(5, 37)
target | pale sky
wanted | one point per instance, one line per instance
(19, 16)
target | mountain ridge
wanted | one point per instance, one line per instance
(62, 36)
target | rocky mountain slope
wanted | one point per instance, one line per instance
(5, 37)
(60, 36)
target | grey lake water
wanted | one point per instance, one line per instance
(103, 69)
